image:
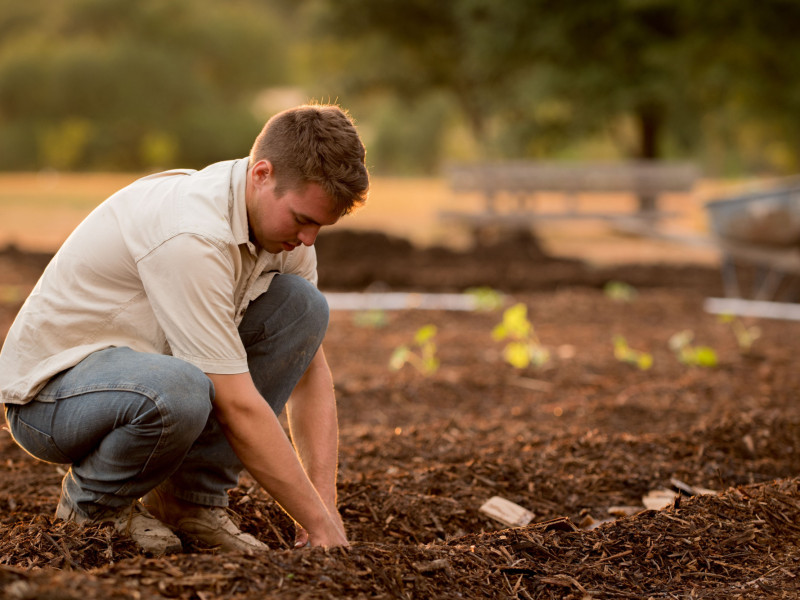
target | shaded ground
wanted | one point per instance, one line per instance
(421, 454)
(356, 261)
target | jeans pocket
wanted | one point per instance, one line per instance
(35, 442)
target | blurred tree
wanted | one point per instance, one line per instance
(622, 57)
(745, 59)
(409, 145)
(537, 67)
(471, 49)
(530, 76)
(118, 84)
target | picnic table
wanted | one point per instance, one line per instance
(509, 190)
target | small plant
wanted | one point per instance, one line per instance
(422, 357)
(370, 319)
(620, 291)
(624, 353)
(745, 336)
(699, 356)
(524, 347)
(486, 298)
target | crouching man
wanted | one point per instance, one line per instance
(165, 337)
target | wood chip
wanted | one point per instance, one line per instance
(506, 512)
(658, 499)
(624, 511)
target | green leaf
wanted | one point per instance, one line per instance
(424, 334)
(499, 332)
(517, 355)
(621, 349)
(399, 358)
(705, 357)
(372, 319)
(430, 364)
(620, 291)
(516, 321)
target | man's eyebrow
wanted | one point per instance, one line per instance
(306, 218)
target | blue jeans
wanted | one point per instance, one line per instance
(129, 421)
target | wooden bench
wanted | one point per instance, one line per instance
(521, 181)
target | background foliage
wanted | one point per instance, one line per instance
(116, 84)
(112, 84)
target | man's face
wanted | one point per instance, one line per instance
(281, 223)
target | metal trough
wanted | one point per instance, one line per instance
(769, 218)
(758, 235)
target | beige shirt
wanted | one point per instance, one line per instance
(165, 266)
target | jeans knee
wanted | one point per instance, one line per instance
(301, 298)
(316, 306)
(186, 394)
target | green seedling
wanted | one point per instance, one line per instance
(620, 291)
(423, 354)
(699, 356)
(486, 298)
(745, 336)
(371, 319)
(524, 348)
(626, 354)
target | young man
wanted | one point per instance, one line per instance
(166, 335)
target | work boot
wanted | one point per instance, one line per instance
(133, 521)
(210, 525)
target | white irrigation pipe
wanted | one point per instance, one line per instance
(399, 301)
(753, 308)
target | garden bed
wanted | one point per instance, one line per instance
(578, 442)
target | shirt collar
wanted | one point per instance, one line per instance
(237, 204)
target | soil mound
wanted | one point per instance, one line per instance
(352, 261)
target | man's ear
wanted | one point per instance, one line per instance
(262, 170)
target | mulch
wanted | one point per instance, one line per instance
(738, 544)
(579, 443)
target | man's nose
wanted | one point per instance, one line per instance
(308, 234)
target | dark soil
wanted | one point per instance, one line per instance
(421, 453)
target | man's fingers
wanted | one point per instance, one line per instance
(301, 538)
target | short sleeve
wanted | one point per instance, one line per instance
(189, 281)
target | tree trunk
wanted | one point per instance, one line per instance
(650, 124)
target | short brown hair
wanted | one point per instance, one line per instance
(316, 143)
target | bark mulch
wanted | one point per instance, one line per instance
(580, 443)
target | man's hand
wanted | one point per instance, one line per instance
(332, 537)
(302, 538)
(258, 439)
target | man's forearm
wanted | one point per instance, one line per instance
(314, 427)
(257, 437)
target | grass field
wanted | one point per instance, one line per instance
(38, 211)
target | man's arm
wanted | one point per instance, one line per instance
(258, 439)
(315, 432)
